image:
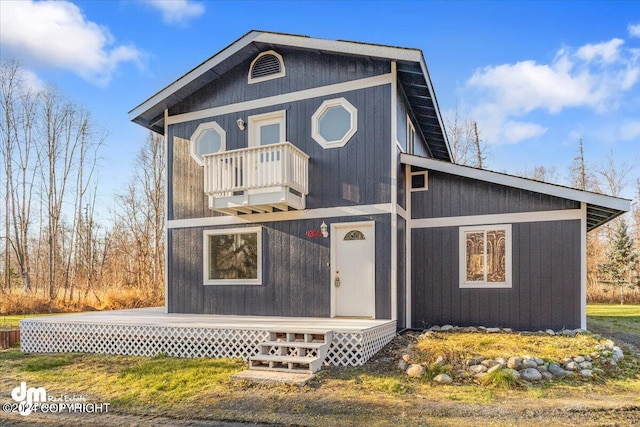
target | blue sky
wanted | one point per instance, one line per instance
(537, 76)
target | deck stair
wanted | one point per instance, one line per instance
(300, 351)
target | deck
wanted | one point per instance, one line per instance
(151, 331)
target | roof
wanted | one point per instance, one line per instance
(600, 207)
(412, 73)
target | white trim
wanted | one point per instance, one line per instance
(272, 117)
(411, 131)
(166, 212)
(394, 190)
(315, 123)
(333, 260)
(401, 212)
(583, 265)
(206, 249)
(426, 180)
(202, 127)
(408, 253)
(513, 218)
(335, 212)
(277, 75)
(462, 250)
(517, 182)
(269, 101)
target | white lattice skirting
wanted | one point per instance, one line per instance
(347, 348)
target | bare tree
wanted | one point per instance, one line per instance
(467, 148)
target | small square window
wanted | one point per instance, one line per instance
(233, 256)
(419, 181)
(485, 256)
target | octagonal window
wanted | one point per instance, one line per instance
(209, 138)
(334, 123)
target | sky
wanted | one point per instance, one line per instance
(536, 76)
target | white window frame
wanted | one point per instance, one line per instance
(282, 72)
(463, 258)
(206, 250)
(258, 120)
(199, 131)
(411, 136)
(315, 122)
(426, 181)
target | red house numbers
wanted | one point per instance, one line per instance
(314, 233)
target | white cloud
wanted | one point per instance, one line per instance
(634, 30)
(629, 131)
(594, 76)
(177, 11)
(56, 34)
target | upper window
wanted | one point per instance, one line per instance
(208, 138)
(233, 256)
(266, 66)
(485, 256)
(268, 128)
(334, 123)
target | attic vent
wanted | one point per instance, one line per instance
(266, 66)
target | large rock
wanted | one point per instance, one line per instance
(446, 328)
(578, 359)
(416, 370)
(492, 330)
(514, 374)
(531, 374)
(617, 354)
(477, 369)
(515, 363)
(490, 363)
(529, 363)
(556, 370)
(443, 379)
(571, 366)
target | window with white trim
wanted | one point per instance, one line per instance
(485, 256)
(266, 66)
(208, 138)
(419, 181)
(233, 256)
(334, 123)
(268, 128)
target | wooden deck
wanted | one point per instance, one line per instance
(151, 331)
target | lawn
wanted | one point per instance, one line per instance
(614, 318)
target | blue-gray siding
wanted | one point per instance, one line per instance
(546, 280)
(296, 273)
(401, 272)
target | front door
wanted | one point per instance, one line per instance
(353, 269)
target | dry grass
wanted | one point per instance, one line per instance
(460, 346)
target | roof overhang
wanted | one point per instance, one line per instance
(411, 68)
(600, 208)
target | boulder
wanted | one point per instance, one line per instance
(530, 374)
(416, 370)
(443, 379)
(529, 363)
(538, 360)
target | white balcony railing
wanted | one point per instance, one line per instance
(231, 177)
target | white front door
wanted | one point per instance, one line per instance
(353, 269)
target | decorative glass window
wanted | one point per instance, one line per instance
(233, 256)
(334, 123)
(208, 138)
(354, 235)
(485, 256)
(266, 66)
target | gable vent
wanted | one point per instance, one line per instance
(266, 66)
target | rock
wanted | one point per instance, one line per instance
(406, 357)
(416, 370)
(443, 379)
(507, 330)
(529, 363)
(474, 361)
(556, 370)
(402, 365)
(428, 334)
(609, 344)
(446, 328)
(530, 374)
(547, 375)
(482, 328)
(571, 366)
(495, 368)
(586, 372)
(480, 375)
(587, 358)
(566, 360)
(477, 369)
(578, 359)
(463, 375)
(538, 360)
(542, 368)
(550, 332)
(514, 374)
(489, 363)
(617, 354)
(612, 362)
(514, 363)
(441, 361)
(501, 360)
(585, 365)
(569, 332)
(492, 330)
(471, 329)
(435, 328)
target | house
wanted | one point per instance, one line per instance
(312, 179)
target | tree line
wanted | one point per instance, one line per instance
(55, 253)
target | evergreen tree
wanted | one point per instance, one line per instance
(621, 269)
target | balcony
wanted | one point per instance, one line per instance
(257, 179)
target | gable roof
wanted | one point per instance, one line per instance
(411, 68)
(600, 207)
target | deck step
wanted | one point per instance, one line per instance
(282, 359)
(293, 344)
(305, 351)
